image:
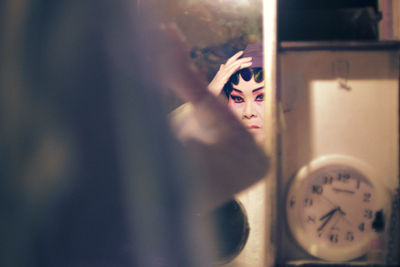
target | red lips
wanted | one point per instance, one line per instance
(254, 127)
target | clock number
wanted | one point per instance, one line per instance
(328, 179)
(343, 177)
(349, 236)
(361, 227)
(317, 189)
(333, 238)
(308, 202)
(368, 213)
(367, 197)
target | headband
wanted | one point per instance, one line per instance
(255, 51)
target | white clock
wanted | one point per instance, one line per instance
(335, 208)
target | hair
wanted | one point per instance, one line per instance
(247, 74)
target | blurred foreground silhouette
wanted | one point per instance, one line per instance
(90, 174)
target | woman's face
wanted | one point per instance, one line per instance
(247, 103)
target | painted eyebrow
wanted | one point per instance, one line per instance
(255, 90)
(259, 88)
(233, 89)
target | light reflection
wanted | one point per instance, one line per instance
(314, 249)
(240, 2)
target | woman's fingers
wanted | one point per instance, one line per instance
(234, 57)
(236, 63)
(235, 66)
(225, 71)
(245, 65)
(240, 60)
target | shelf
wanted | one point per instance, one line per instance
(338, 45)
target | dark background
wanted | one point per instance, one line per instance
(314, 20)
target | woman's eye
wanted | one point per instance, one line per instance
(237, 99)
(260, 97)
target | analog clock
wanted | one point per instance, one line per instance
(334, 208)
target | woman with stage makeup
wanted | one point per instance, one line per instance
(239, 83)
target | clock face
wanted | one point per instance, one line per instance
(333, 211)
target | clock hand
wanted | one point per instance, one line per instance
(334, 224)
(329, 213)
(324, 223)
(341, 211)
(347, 221)
(328, 217)
(343, 216)
(337, 207)
(333, 204)
(342, 190)
(327, 199)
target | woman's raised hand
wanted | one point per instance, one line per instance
(226, 70)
